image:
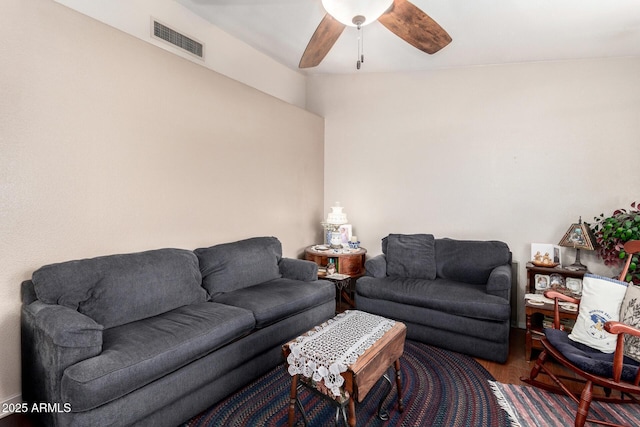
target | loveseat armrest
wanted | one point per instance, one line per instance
(376, 266)
(54, 337)
(499, 283)
(298, 269)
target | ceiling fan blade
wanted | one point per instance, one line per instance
(412, 25)
(321, 42)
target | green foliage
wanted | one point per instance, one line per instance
(612, 232)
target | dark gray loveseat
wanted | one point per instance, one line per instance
(450, 293)
(153, 338)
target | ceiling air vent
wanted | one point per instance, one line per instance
(167, 34)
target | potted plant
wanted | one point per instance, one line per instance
(612, 232)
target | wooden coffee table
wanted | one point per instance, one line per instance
(360, 376)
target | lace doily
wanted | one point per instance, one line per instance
(327, 350)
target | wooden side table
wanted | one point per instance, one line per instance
(350, 264)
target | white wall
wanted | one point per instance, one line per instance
(222, 52)
(109, 144)
(513, 153)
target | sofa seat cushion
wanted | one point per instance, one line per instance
(140, 285)
(456, 298)
(138, 353)
(277, 299)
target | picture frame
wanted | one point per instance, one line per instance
(346, 231)
(542, 282)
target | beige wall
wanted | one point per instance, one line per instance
(514, 153)
(222, 52)
(109, 144)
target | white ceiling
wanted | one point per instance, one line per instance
(483, 31)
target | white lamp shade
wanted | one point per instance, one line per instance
(345, 10)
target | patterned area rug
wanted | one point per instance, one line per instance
(440, 388)
(532, 407)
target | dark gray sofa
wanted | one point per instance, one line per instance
(153, 338)
(450, 293)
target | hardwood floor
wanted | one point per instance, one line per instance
(509, 373)
(516, 365)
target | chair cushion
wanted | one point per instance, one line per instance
(278, 299)
(138, 353)
(600, 302)
(588, 359)
(630, 315)
(241, 264)
(470, 261)
(411, 255)
(118, 289)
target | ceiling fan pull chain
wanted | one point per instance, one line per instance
(360, 46)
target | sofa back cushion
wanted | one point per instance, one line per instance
(470, 261)
(118, 289)
(410, 255)
(231, 266)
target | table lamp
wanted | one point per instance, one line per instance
(335, 219)
(578, 236)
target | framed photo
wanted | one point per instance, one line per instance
(542, 282)
(346, 231)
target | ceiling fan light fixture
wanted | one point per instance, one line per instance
(346, 11)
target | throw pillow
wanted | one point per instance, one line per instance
(601, 301)
(411, 255)
(630, 315)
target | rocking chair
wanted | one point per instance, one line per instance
(612, 371)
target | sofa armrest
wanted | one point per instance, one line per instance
(298, 269)
(376, 266)
(63, 326)
(53, 338)
(27, 292)
(499, 283)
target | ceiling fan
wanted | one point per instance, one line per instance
(401, 17)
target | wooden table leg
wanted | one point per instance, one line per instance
(293, 396)
(352, 412)
(399, 385)
(528, 340)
